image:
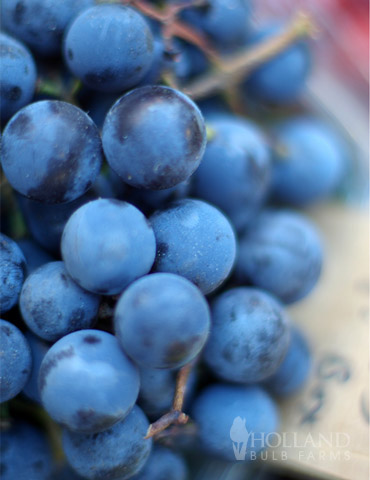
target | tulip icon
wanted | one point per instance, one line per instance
(239, 436)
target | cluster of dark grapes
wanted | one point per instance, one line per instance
(156, 233)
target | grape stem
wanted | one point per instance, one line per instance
(235, 68)
(175, 416)
(172, 27)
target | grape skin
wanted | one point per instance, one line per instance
(163, 464)
(76, 364)
(309, 161)
(281, 79)
(51, 151)
(12, 272)
(294, 369)
(281, 253)
(40, 23)
(109, 47)
(235, 172)
(25, 453)
(39, 349)
(194, 240)
(18, 76)
(53, 305)
(154, 137)
(162, 321)
(249, 337)
(106, 244)
(216, 409)
(115, 454)
(16, 361)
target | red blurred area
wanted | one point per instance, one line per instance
(343, 45)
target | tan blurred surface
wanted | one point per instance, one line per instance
(333, 408)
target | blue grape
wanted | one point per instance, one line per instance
(163, 464)
(51, 151)
(158, 64)
(157, 390)
(162, 321)
(194, 240)
(235, 171)
(34, 255)
(281, 253)
(226, 414)
(225, 21)
(12, 272)
(100, 381)
(281, 79)
(295, 368)
(46, 222)
(40, 23)
(25, 453)
(249, 336)
(189, 61)
(107, 244)
(39, 349)
(18, 76)
(309, 160)
(15, 361)
(109, 47)
(148, 201)
(53, 305)
(154, 137)
(115, 454)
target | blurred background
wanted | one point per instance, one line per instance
(338, 90)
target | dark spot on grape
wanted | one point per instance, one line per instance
(70, 54)
(6, 330)
(76, 318)
(51, 363)
(3, 468)
(40, 311)
(64, 279)
(18, 13)
(91, 339)
(227, 353)
(12, 94)
(25, 371)
(100, 78)
(138, 68)
(88, 417)
(162, 249)
(179, 350)
(21, 125)
(85, 416)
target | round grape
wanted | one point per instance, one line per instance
(154, 137)
(100, 382)
(51, 151)
(107, 244)
(162, 321)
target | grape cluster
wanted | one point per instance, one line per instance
(150, 243)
